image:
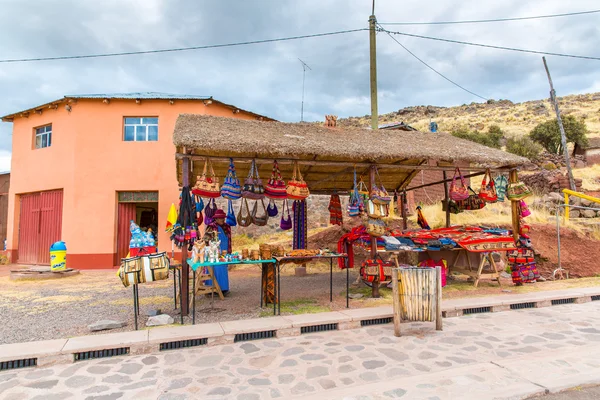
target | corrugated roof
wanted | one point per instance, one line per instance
(397, 125)
(139, 95)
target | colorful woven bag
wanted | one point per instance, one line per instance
(276, 187)
(244, 218)
(207, 186)
(286, 218)
(458, 192)
(488, 188)
(253, 186)
(524, 210)
(231, 188)
(501, 183)
(356, 200)
(378, 193)
(230, 220)
(517, 191)
(297, 189)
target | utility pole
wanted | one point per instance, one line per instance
(563, 136)
(304, 66)
(373, 47)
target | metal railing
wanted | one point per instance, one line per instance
(568, 193)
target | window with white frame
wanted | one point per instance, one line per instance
(140, 129)
(43, 136)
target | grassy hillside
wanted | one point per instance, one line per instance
(515, 119)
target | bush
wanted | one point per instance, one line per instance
(548, 133)
(524, 147)
(493, 137)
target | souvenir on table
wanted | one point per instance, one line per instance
(260, 220)
(286, 218)
(244, 218)
(517, 191)
(230, 220)
(272, 209)
(253, 186)
(458, 191)
(207, 186)
(378, 193)
(276, 187)
(525, 212)
(500, 182)
(296, 188)
(231, 188)
(488, 188)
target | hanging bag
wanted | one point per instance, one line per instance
(375, 227)
(260, 220)
(272, 209)
(501, 182)
(363, 191)
(355, 202)
(253, 186)
(473, 202)
(488, 188)
(244, 218)
(525, 212)
(378, 194)
(276, 187)
(207, 186)
(376, 210)
(297, 189)
(286, 218)
(209, 211)
(230, 220)
(517, 191)
(231, 188)
(458, 191)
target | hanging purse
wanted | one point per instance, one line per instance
(488, 188)
(244, 218)
(209, 211)
(230, 220)
(517, 191)
(297, 189)
(355, 202)
(375, 227)
(253, 186)
(276, 187)
(501, 182)
(525, 212)
(458, 192)
(199, 204)
(286, 223)
(471, 203)
(207, 186)
(363, 191)
(272, 209)
(378, 193)
(376, 210)
(262, 219)
(231, 188)
(452, 205)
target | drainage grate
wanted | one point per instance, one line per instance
(477, 310)
(319, 328)
(376, 321)
(15, 364)
(596, 297)
(562, 301)
(180, 344)
(244, 337)
(90, 355)
(521, 306)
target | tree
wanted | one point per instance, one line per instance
(548, 133)
(492, 138)
(523, 146)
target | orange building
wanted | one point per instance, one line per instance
(85, 165)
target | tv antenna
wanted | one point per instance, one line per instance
(304, 66)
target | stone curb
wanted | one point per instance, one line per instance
(60, 351)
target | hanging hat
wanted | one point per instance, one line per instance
(219, 214)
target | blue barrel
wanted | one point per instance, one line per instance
(58, 256)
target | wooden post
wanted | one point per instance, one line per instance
(375, 288)
(185, 269)
(397, 306)
(438, 299)
(513, 178)
(563, 136)
(373, 52)
(446, 200)
(403, 212)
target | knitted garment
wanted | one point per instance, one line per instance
(335, 210)
(300, 224)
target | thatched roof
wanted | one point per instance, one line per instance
(242, 139)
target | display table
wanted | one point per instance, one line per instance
(299, 260)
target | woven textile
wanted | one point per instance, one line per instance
(335, 210)
(300, 224)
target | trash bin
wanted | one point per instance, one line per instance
(58, 256)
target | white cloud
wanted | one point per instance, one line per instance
(5, 160)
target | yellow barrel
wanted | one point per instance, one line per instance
(58, 256)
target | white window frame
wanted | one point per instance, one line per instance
(41, 132)
(139, 125)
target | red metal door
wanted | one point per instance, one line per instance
(126, 213)
(40, 225)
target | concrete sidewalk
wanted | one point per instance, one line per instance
(503, 355)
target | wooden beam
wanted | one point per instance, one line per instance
(516, 222)
(185, 269)
(375, 287)
(444, 181)
(446, 201)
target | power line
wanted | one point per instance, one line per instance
(211, 46)
(433, 69)
(492, 46)
(491, 20)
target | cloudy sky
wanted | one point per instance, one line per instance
(267, 78)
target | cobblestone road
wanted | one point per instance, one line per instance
(500, 355)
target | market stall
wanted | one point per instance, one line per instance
(324, 161)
